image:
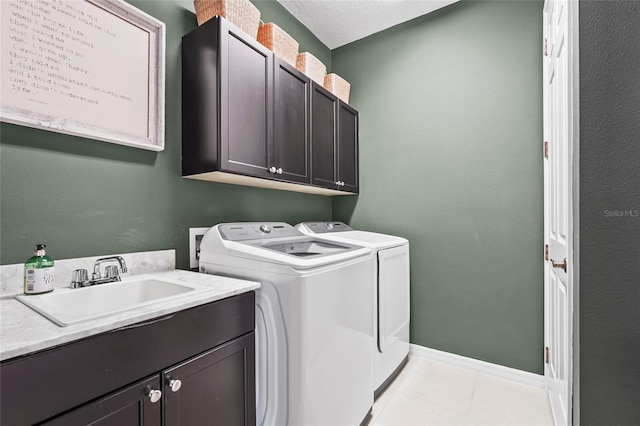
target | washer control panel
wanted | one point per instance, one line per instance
(244, 231)
(326, 227)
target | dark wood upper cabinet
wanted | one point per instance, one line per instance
(334, 141)
(347, 156)
(226, 101)
(250, 118)
(324, 108)
(291, 131)
(246, 103)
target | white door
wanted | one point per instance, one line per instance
(558, 136)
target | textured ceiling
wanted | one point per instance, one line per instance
(339, 22)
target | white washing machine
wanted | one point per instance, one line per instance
(314, 335)
(391, 294)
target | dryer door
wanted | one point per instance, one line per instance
(393, 296)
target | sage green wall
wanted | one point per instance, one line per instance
(83, 197)
(450, 158)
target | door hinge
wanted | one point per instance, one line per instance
(546, 355)
(546, 47)
(546, 149)
(546, 252)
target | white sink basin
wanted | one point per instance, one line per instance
(72, 306)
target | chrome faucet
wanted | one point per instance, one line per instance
(80, 277)
(96, 267)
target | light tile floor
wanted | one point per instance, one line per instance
(433, 393)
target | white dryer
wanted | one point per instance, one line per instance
(314, 335)
(391, 294)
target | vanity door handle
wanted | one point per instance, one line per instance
(175, 385)
(154, 395)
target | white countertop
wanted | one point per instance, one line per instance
(23, 330)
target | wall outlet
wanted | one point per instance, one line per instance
(195, 237)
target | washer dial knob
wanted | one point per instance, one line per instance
(265, 228)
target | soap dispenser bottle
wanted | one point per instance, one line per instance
(38, 272)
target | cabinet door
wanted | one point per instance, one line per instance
(246, 72)
(291, 133)
(216, 388)
(323, 137)
(347, 155)
(130, 406)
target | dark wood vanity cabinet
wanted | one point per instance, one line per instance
(247, 114)
(126, 407)
(214, 389)
(217, 387)
(201, 360)
(334, 141)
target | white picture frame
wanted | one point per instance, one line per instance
(89, 68)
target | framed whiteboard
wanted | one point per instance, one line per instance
(91, 68)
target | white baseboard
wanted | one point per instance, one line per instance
(501, 371)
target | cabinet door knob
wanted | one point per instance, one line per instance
(279, 171)
(272, 169)
(154, 395)
(175, 385)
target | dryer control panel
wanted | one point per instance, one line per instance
(326, 227)
(244, 231)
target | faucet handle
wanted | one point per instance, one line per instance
(79, 278)
(112, 272)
